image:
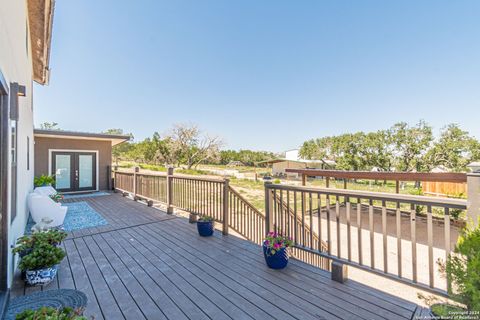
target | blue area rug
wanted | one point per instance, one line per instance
(79, 216)
(86, 195)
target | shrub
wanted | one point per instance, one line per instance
(48, 313)
(275, 241)
(463, 269)
(43, 180)
(43, 255)
(28, 242)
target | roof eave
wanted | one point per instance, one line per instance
(40, 17)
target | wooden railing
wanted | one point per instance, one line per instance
(199, 196)
(245, 218)
(292, 224)
(353, 226)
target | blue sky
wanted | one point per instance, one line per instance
(262, 74)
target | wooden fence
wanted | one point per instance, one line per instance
(444, 189)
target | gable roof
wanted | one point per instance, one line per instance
(40, 21)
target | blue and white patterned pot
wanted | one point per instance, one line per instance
(41, 277)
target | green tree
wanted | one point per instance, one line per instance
(455, 149)
(49, 126)
(378, 150)
(120, 150)
(411, 145)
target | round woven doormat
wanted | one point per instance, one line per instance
(50, 298)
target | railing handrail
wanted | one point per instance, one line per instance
(176, 175)
(455, 177)
(196, 178)
(373, 195)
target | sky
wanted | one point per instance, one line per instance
(262, 75)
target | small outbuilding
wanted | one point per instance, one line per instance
(80, 161)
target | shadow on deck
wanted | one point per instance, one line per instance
(146, 264)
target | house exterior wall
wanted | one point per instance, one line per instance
(279, 168)
(16, 66)
(292, 155)
(104, 148)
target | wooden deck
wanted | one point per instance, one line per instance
(148, 265)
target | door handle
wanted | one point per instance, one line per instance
(76, 174)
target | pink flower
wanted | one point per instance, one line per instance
(267, 243)
(276, 245)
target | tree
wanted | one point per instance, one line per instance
(247, 157)
(49, 126)
(190, 146)
(455, 149)
(411, 145)
(121, 149)
(378, 150)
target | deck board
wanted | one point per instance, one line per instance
(319, 297)
(146, 264)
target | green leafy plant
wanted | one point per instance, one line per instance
(57, 197)
(463, 269)
(44, 180)
(27, 243)
(275, 241)
(43, 255)
(456, 214)
(277, 181)
(446, 311)
(49, 313)
(205, 219)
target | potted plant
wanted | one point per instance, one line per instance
(41, 264)
(49, 313)
(462, 269)
(25, 244)
(275, 250)
(205, 226)
(43, 181)
(57, 197)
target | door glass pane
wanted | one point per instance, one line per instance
(62, 171)
(85, 167)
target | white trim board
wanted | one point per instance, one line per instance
(50, 151)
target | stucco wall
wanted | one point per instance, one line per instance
(15, 65)
(104, 148)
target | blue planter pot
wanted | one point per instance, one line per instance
(205, 228)
(279, 260)
(41, 277)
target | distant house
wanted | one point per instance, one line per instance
(292, 160)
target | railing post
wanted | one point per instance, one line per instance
(226, 191)
(135, 171)
(114, 178)
(339, 272)
(268, 208)
(473, 197)
(170, 190)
